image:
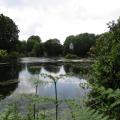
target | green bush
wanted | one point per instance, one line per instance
(31, 54)
(105, 92)
(3, 53)
(13, 55)
(22, 55)
(71, 56)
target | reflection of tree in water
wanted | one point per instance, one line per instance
(52, 68)
(34, 69)
(70, 68)
(9, 72)
(7, 90)
(8, 79)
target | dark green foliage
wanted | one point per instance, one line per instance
(22, 47)
(13, 55)
(107, 66)
(106, 73)
(32, 40)
(8, 33)
(81, 44)
(71, 56)
(33, 47)
(106, 70)
(67, 42)
(38, 49)
(52, 47)
(3, 53)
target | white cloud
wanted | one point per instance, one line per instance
(60, 18)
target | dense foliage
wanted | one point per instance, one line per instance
(80, 112)
(32, 40)
(81, 44)
(71, 56)
(106, 73)
(52, 47)
(3, 53)
(8, 34)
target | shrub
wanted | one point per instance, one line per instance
(31, 54)
(3, 53)
(13, 55)
(71, 56)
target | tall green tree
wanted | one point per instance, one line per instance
(8, 33)
(31, 42)
(69, 40)
(53, 47)
(81, 44)
(22, 47)
(38, 49)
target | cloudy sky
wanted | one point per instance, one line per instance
(60, 18)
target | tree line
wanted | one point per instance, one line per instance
(78, 45)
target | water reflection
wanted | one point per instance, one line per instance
(14, 81)
(8, 72)
(8, 80)
(70, 68)
(67, 87)
(34, 69)
(53, 69)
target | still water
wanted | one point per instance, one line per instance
(20, 78)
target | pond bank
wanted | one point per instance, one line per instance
(4, 64)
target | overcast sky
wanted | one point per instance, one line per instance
(60, 18)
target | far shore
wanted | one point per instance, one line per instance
(49, 60)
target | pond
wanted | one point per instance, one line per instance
(17, 79)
